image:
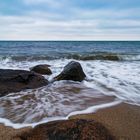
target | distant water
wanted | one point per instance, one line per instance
(112, 69)
(80, 50)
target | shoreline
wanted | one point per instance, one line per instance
(121, 120)
(91, 109)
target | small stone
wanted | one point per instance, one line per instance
(42, 69)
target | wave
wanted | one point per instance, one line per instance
(84, 57)
(110, 57)
(108, 77)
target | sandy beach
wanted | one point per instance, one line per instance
(9, 133)
(123, 122)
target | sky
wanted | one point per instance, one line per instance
(69, 19)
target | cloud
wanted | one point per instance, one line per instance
(51, 3)
(63, 19)
(32, 27)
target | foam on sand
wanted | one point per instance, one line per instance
(92, 109)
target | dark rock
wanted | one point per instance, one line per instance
(69, 130)
(42, 69)
(111, 57)
(17, 80)
(72, 71)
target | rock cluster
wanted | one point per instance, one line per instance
(17, 80)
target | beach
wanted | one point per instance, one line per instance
(69, 70)
(122, 121)
(44, 90)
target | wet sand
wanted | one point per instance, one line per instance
(123, 121)
(9, 133)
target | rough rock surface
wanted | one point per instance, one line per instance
(42, 69)
(17, 80)
(72, 71)
(69, 130)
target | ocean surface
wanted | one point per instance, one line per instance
(112, 69)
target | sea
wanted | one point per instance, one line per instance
(112, 71)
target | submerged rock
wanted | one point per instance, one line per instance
(42, 69)
(111, 57)
(72, 71)
(17, 80)
(77, 129)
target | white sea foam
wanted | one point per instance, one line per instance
(56, 101)
(92, 109)
(129, 57)
(118, 78)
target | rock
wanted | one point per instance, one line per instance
(17, 80)
(72, 71)
(42, 69)
(69, 130)
(111, 57)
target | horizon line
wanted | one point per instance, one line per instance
(64, 40)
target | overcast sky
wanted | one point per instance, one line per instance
(69, 19)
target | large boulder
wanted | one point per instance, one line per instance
(69, 130)
(42, 69)
(72, 71)
(17, 80)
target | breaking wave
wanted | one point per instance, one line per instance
(84, 57)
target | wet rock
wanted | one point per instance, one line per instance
(111, 57)
(42, 69)
(72, 71)
(77, 129)
(17, 80)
